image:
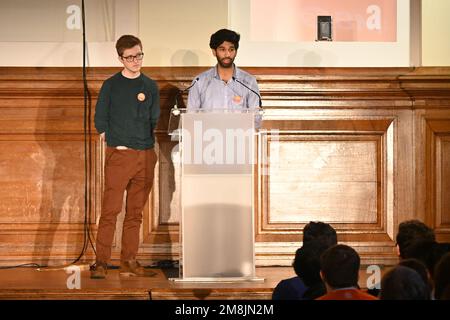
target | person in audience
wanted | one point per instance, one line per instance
(404, 283)
(307, 268)
(322, 235)
(320, 231)
(442, 278)
(440, 250)
(420, 268)
(446, 294)
(340, 271)
(421, 250)
(410, 232)
(428, 252)
(289, 289)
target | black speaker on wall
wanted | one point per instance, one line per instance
(324, 30)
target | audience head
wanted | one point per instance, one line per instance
(307, 262)
(421, 250)
(440, 250)
(403, 283)
(319, 231)
(411, 231)
(428, 252)
(419, 267)
(442, 278)
(446, 294)
(340, 267)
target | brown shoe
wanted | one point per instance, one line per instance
(132, 268)
(99, 270)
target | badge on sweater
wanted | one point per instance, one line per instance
(141, 96)
(237, 99)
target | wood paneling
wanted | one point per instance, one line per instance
(361, 148)
(340, 171)
(434, 137)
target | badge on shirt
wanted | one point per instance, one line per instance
(237, 99)
(141, 96)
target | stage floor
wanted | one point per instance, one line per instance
(28, 283)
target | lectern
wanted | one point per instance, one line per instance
(217, 157)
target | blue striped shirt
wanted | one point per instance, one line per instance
(211, 92)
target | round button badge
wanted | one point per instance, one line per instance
(141, 96)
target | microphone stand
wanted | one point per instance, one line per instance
(259, 96)
(175, 110)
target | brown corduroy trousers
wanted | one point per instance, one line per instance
(131, 171)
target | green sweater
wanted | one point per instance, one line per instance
(120, 113)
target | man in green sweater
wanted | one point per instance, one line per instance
(126, 115)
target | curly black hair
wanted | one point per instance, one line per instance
(223, 35)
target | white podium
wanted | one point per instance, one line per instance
(217, 158)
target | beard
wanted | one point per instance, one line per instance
(227, 64)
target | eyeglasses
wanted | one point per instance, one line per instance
(138, 57)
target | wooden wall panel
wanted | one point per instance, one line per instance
(340, 171)
(43, 184)
(320, 178)
(443, 181)
(361, 148)
(434, 138)
(42, 196)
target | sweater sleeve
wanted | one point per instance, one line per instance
(102, 108)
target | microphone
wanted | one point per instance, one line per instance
(175, 109)
(259, 96)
